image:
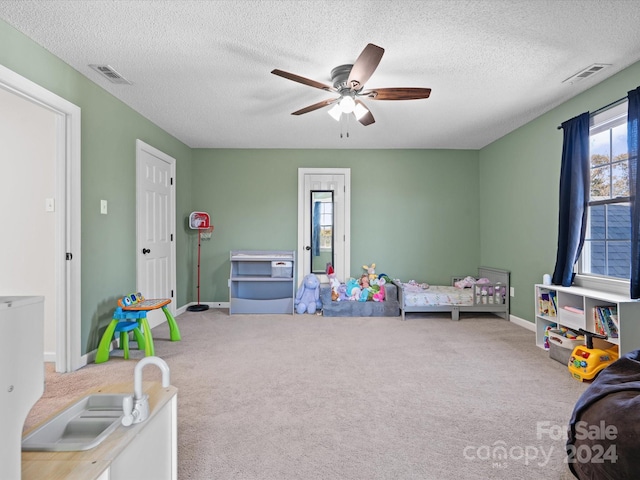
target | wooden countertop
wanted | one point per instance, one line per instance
(90, 464)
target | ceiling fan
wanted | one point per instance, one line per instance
(348, 82)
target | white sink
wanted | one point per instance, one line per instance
(82, 426)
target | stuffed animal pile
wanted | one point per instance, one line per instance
(369, 287)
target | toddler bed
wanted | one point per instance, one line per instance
(490, 295)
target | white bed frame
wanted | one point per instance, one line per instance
(494, 275)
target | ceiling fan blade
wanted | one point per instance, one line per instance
(367, 118)
(315, 106)
(303, 80)
(397, 93)
(365, 65)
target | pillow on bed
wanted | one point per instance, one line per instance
(466, 282)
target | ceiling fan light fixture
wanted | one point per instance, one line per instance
(359, 111)
(348, 82)
(335, 112)
(347, 104)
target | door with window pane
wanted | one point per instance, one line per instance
(323, 217)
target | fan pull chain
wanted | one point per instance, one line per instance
(344, 119)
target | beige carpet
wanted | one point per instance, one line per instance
(307, 397)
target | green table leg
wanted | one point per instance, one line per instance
(148, 339)
(102, 355)
(174, 331)
(124, 343)
(139, 338)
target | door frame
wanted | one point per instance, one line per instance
(145, 147)
(67, 216)
(346, 172)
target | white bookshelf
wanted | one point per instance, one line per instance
(586, 299)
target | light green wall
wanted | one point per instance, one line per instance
(413, 212)
(422, 214)
(109, 132)
(519, 183)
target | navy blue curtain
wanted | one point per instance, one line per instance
(574, 197)
(634, 187)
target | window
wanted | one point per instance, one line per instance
(607, 246)
(326, 225)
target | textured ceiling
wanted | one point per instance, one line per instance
(201, 69)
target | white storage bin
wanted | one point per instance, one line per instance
(281, 269)
(560, 347)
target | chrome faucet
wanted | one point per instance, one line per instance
(136, 406)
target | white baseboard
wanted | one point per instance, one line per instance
(89, 357)
(523, 323)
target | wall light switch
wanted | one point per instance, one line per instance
(103, 207)
(50, 205)
(512, 291)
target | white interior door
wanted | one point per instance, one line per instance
(40, 132)
(155, 226)
(338, 181)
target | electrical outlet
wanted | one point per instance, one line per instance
(103, 207)
(512, 292)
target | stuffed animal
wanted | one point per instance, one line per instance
(342, 293)
(352, 284)
(371, 271)
(379, 295)
(308, 296)
(334, 283)
(355, 294)
(364, 294)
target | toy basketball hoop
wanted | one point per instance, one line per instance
(199, 220)
(202, 222)
(205, 233)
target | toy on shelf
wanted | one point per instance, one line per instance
(586, 361)
(546, 336)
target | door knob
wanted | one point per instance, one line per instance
(145, 251)
(307, 247)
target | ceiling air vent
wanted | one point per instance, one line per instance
(586, 72)
(110, 74)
